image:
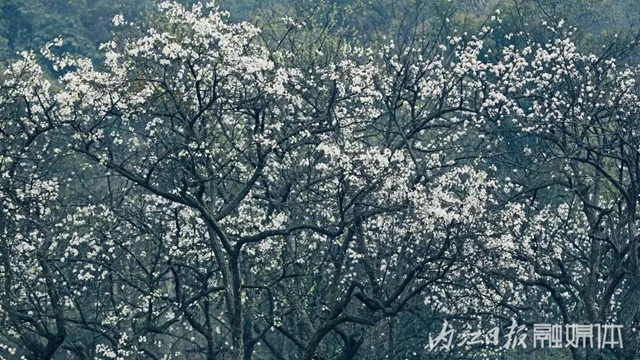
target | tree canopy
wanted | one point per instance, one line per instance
(314, 184)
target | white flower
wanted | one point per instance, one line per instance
(117, 20)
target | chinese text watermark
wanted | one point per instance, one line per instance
(542, 336)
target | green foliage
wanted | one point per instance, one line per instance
(85, 24)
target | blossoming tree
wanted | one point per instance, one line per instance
(212, 191)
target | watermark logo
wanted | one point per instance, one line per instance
(552, 336)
